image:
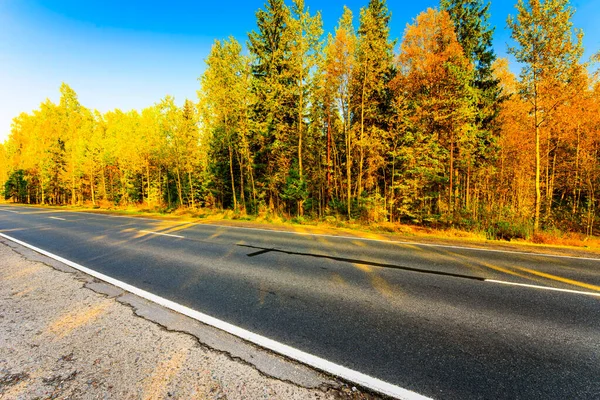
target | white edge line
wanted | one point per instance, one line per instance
(444, 246)
(447, 246)
(288, 351)
(543, 287)
(163, 234)
(413, 243)
(58, 218)
(10, 211)
(114, 216)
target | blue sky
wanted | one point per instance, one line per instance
(130, 54)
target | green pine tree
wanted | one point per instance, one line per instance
(275, 108)
(371, 99)
(475, 35)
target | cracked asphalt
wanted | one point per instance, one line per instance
(65, 336)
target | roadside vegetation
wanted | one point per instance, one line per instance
(350, 129)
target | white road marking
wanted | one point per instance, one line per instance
(444, 246)
(10, 211)
(164, 234)
(543, 287)
(58, 218)
(116, 216)
(404, 242)
(283, 349)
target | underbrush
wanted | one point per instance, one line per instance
(466, 230)
(558, 238)
(504, 230)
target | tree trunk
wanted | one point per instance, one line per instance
(73, 189)
(362, 133)
(104, 182)
(42, 187)
(112, 186)
(148, 179)
(591, 207)
(468, 193)
(550, 191)
(392, 190)
(576, 182)
(348, 169)
(538, 192)
(167, 182)
(92, 186)
(160, 186)
(191, 188)
(300, 107)
(179, 191)
(451, 183)
(242, 196)
(232, 178)
(327, 189)
(253, 187)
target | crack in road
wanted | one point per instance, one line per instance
(264, 250)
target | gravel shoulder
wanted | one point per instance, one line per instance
(64, 335)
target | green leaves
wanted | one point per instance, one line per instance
(301, 125)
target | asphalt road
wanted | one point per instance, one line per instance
(426, 318)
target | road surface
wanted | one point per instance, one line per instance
(446, 322)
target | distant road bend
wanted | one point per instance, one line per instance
(445, 322)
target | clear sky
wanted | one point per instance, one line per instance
(130, 54)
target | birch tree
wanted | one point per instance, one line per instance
(549, 49)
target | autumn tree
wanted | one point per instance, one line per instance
(549, 49)
(225, 108)
(75, 127)
(435, 82)
(190, 141)
(444, 133)
(370, 97)
(91, 151)
(339, 70)
(175, 138)
(515, 164)
(151, 146)
(304, 33)
(4, 160)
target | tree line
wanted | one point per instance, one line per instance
(434, 130)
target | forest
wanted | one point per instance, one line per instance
(432, 130)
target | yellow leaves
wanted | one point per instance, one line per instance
(428, 45)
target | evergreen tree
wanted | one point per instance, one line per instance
(435, 84)
(224, 104)
(475, 35)
(275, 107)
(373, 71)
(305, 33)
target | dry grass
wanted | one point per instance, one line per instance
(333, 225)
(571, 239)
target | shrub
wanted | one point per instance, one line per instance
(504, 230)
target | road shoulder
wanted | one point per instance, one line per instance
(65, 335)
